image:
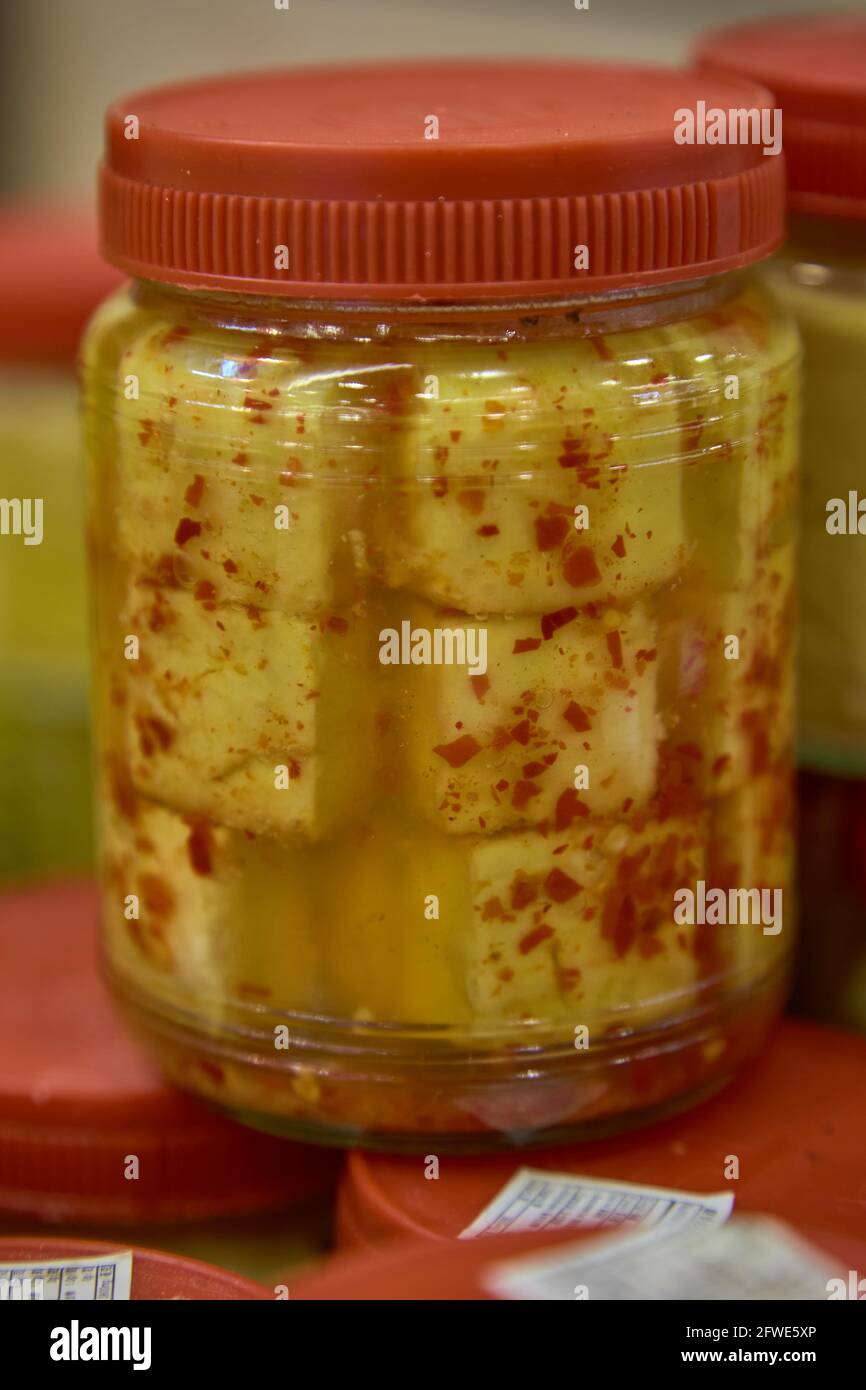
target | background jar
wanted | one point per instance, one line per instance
(442, 628)
(815, 67)
(821, 276)
(51, 278)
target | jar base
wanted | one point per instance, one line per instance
(469, 1144)
(399, 1099)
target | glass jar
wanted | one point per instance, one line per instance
(443, 649)
(821, 276)
(816, 66)
(51, 279)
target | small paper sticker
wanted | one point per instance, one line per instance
(89, 1278)
(754, 1257)
(535, 1200)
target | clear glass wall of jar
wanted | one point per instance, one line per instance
(441, 654)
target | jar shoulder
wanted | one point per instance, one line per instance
(192, 350)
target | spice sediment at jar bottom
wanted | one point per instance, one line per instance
(436, 653)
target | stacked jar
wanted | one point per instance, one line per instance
(95, 1145)
(51, 279)
(442, 486)
(816, 69)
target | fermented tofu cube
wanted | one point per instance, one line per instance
(505, 444)
(246, 716)
(739, 368)
(153, 854)
(246, 473)
(497, 750)
(583, 926)
(751, 847)
(729, 718)
(224, 916)
(461, 931)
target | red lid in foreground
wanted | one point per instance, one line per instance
(51, 279)
(412, 1271)
(77, 1098)
(155, 1274)
(435, 180)
(795, 1121)
(816, 69)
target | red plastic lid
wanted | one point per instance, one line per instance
(796, 1121)
(412, 1270)
(218, 183)
(155, 1274)
(816, 68)
(77, 1097)
(51, 279)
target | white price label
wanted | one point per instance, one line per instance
(753, 1257)
(535, 1200)
(90, 1278)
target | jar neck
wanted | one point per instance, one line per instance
(496, 321)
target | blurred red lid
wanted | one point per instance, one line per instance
(155, 1274)
(413, 1270)
(816, 68)
(51, 279)
(77, 1097)
(796, 1121)
(433, 180)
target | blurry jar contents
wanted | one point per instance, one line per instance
(817, 69)
(822, 277)
(50, 280)
(443, 614)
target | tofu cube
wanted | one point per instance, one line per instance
(247, 472)
(726, 677)
(752, 847)
(469, 931)
(221, 916)
(582, 927)
(160, 914)
(537, 475)
(246, 716)
(562, 699)
(739, 368)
